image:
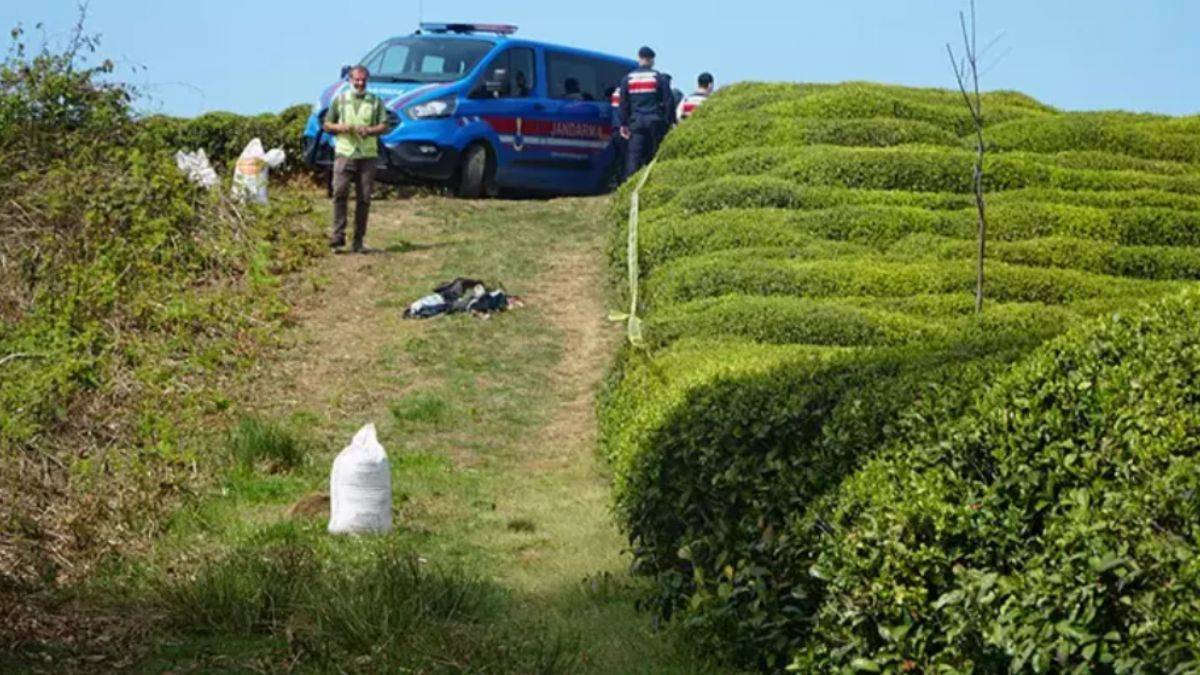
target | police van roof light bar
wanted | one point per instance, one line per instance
(464, 28)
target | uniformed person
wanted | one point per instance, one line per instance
(620, 145)
(647, 110)
(704, 89)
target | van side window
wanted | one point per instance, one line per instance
(612, 74)
(522, 73)
(514, 68)
(575, 78)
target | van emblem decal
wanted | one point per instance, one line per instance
(518, 138)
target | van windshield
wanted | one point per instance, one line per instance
(424, 59)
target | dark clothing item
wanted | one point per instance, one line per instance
(645, 96)
(460, 295)
(643, 144)
(455, 289)
(362, 173)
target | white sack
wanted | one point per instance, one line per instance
(196, 167)
(360, 487)
(251, 171)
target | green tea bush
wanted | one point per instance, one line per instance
(735, 191)
(1125, 199)
(767, 132)
(1148, 138)
(715, 275)
(856, 100)
(805, 448)
(928, 169)
(783, 320)
(734, 438)
(815, 321)
(1051, 528)
(880, 226)
(1142, 262)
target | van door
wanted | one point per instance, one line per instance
(581, 135)
(511, 110)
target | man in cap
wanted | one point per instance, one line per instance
(647, 110)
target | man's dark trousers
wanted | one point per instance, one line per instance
(644, 137)
(362, 173)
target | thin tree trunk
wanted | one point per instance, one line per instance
(982, 207)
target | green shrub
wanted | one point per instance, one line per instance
(126, 293)
(728, 135)
(835, 322)
(1052, 529)
(714, 446)
(715, 275)
(922, 174)
(930, 169)
(224, 135)
(877, 226)
(931, 107)
(782, 320)
(807, 260)
(1141, 262)
(726, 192)
(664, 240)
(1089, 131)
(736, 99)
(1105, 199)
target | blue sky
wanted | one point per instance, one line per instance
(253, 56)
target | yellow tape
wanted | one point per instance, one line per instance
(633, 328)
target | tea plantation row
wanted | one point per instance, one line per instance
(824, 459)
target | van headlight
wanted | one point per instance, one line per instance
(438, 107)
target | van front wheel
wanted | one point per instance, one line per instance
(475, 174)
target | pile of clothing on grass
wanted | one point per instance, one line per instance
(462, 295)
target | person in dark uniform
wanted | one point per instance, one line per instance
(619, 142)
(647, 110)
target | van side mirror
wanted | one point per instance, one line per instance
(345, 72)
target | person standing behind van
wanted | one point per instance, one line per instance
(704, 89)
(647, 111)
(356, 116)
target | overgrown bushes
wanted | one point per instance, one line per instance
(126, 294)
(818, 457)
(224, 135)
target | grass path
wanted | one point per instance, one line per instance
(489, 423)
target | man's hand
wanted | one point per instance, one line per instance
(625, 133)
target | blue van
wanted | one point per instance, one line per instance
(478, 110)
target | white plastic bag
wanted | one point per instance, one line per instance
(251, 171)
(196, 167)
(360, 487)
